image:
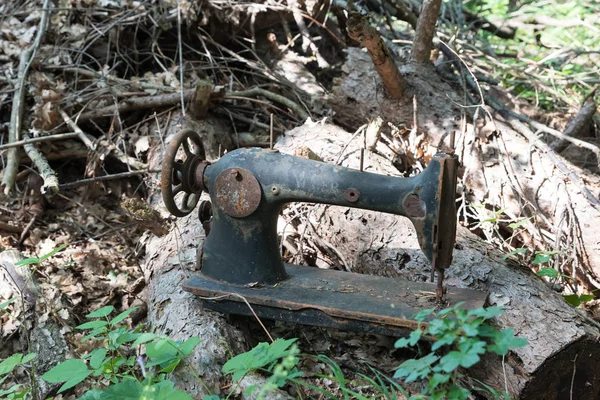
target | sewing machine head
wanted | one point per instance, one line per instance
(241, 256)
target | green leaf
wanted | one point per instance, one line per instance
(420, 316)
(163, 390)
(576, 300)
(415, 369)
(445, 340)
(414, 337)
(471, 328)
(541, 258)
(454, 359)
(71, 371)
(93, 333)
(401, 343)
(472, 346)
(161, 349)
(549, 272)
(122, 316)
(189, 345)
(27, 261)
(97, 357)
(128, 389)
(10, 363)
(505, 340)
(486, 313)
(440, 326)
(94, 394)
(518, 251)
(92, 325)
(53, 252)
(438, 379)
(144, 338)
(7, 303)
(101, 312)
(458, 393)
(260, 356)
(28, 358)
(127, 337)
(519, 223)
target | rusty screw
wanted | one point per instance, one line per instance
(352, 195)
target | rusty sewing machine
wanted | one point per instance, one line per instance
(240, 259)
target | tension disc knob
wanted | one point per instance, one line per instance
(183, 173)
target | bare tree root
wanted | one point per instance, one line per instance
(359, 29)
(16, 117)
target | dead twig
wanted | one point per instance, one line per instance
(271, 96)
(138, 103)
(88, 141)
(136, 84)
(45, 170)
(10, 228)
(59, 136)
(16, 117)
(106, 178)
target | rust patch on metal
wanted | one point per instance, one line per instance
(237, 192)
(414, 206)
(352, 195)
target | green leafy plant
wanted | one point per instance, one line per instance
(39, 260)
(7, 366)
(280, 359)
(115, 360)
(461, 337)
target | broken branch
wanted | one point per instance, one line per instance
(425, 30)
(45, 170)
(360, 30)
(16, 116)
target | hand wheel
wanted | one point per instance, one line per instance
(183, 172)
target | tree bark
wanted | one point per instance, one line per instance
(500, 171)
(562, 342)
(425, 30)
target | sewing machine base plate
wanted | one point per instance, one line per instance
(334, 299)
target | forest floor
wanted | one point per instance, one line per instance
(98, 60)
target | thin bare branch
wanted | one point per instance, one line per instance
(16, 117)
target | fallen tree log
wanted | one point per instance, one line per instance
(555, 201)
(562, 355)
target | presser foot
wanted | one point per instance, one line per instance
(333, 299)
